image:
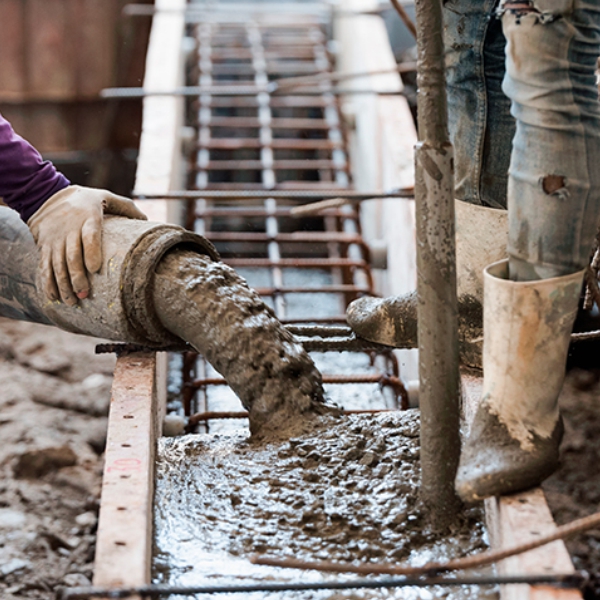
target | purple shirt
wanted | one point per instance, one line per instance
(26, 180)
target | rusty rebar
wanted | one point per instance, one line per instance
(210, 415)
(457, 564)
(571, 580)
(129, 93)
(331, 344)
(383, 379)
(277, 194)
(405, 18)
(266, 129)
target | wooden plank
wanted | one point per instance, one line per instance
(12, 57)
(124, 540)
(159, 168)
(51, 49)
(382, 139)
(160, 144)
(59, 50)
(521, 518)
(97, 34)
(123, 551)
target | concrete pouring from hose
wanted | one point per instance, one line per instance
(160, 284)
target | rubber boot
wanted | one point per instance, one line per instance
(515, 435)
(481, 237)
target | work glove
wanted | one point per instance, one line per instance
(68, 230)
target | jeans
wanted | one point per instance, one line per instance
(479, 120)
(554, 176)
(553, 188)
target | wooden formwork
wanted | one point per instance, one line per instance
(57, 55)
(124, 540)
(383, 142)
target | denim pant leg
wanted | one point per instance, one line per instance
(480, 124)
(554, 176)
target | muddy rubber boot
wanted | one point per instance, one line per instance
(481, 236)
(515, 435)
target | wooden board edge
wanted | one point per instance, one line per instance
(159, 159)
(125, 528)
(124, 539)
(382, 136)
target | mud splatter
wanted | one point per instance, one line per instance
(347, 492)
(228, 323)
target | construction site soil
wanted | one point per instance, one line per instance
(54, 397)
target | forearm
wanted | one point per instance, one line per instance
(26, 180)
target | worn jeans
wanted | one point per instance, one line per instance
(479, 120)
(553, 190)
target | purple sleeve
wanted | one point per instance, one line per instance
(26, 180)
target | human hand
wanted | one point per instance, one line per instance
(68, 230)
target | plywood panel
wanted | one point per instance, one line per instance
(96, 65)
(13, 73)
(58, 49)
(51, 49)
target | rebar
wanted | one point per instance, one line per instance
(256, 157)
(404, 17)
(218, 415)
(457, 564)
(129, 93)
(263, 194)
(574, 580)
(330, 344)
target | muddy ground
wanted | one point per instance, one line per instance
(54, 395)
(574, 490)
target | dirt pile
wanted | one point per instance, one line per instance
(54, 396)
(574, 490)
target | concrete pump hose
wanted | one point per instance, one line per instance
(121, 305)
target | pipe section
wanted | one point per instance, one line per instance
(121, 305)
(436, 267)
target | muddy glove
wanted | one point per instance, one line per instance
(68, 230)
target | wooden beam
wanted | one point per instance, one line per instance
(159, 158)
(382, 136)
(125, 535)
(124, 540)
(521, 518)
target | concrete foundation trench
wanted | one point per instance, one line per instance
(263, 127)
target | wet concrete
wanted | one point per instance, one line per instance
(228, 323)
(345, 491)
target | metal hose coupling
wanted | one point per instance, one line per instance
(120, 306)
